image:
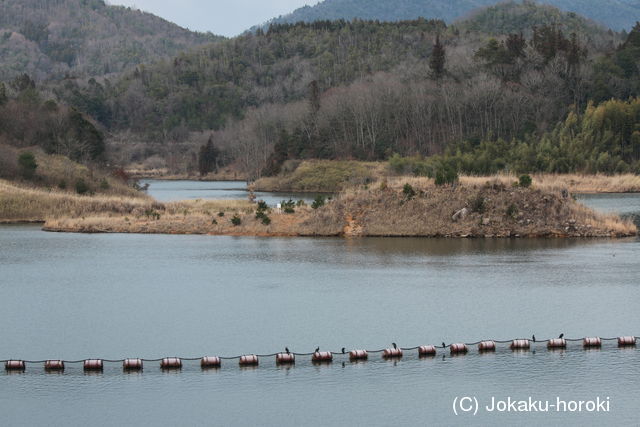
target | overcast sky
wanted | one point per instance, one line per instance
(225, 17)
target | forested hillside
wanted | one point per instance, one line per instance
(54, 38)
(28, 118)
(367, 90)
(615, 14)
(514, 17)
(205, 88)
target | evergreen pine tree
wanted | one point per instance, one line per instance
(437, 59)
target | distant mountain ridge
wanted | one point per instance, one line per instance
(53, 38)
(615, 14)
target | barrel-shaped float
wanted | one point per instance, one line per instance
(285, 358)
(520, 345)
(392, 353)
(249, 360)
(556, 343)
(210, 362)
(358, 355)
(92, 365)
(171, 363)
(427, 350)
(486, 346)
(322, 356)
(458, 348)
(54, 365)
(132, 364)
(592, 342)
(626, 341)
(14, 365)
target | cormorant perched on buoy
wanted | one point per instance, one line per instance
(444, 345)
(394, 345)
(561, 336)
(287, 350)
(534, 338)
(342, 350)
(317, 350)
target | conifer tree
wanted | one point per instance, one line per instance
(437, 59)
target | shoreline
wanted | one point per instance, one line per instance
(491, 211)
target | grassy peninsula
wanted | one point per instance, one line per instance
(419, 209)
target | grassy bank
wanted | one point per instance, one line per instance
(164, 174)
(23, 203)
(60, 173)
(334, 176)
(488, 210)
(323, 176)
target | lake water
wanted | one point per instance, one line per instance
(75, 296)
(171, 191)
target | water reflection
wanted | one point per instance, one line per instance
(197, 295)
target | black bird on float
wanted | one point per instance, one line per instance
(561, 336)
(343, 350)
(286, 349)
(317, 350)
(443, 345)
(534, 338)
(394, 345)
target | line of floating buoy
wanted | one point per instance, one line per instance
(289, 358)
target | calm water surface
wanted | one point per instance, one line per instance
(111, 296)
(170, 191)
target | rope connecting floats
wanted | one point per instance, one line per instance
(288, 357)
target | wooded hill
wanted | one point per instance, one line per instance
(205, 88)
(615, 14)
(366, 90)
(56, 38)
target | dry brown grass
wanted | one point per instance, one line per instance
(575, 183)
(209, 207)
(333, 176)
(506, 212)
(21, 203)
(180, 220)
(628, 183)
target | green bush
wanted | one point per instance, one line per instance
(525, 181)
(81, 186)
(28, 164)
(266, 220)
(220, 214)
(446, 174)
(261, 211)
(235, 220)
(318, 202)
(288, 206)
(512, 211)
(408, 191)
(214, 222)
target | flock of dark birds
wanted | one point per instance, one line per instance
(286, 349)
(395, 346)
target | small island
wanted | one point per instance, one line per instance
(391, 209)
